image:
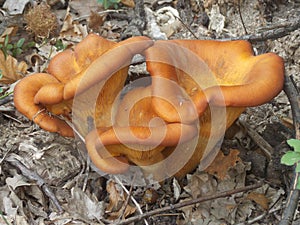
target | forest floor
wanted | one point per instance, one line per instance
(47, 179)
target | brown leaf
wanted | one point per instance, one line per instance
(9, 31)
(117, 199)
(96, 21)
(11, 70)
(72, 30)
(260, 199)
(129, 3)
(221, 164)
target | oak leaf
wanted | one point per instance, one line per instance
(10, 69)
(221, 164)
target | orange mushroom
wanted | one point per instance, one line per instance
(137, 136)
(198, 88)
(194, 82)
(42, 96)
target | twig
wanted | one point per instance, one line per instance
(259, 217)
(190, 202)
(99, 13)
(292, 200)
(259, 140)
(186, 26)
(128, 197)
(35, 177)
(133, 200)
(277, 31)
(241, 17)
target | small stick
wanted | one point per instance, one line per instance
(259, 140)
(241, 17)
(128, 197)
(186, 26)
(190, 202)
(99, 13)
(133, 200)
(40, 182)
(292, 93)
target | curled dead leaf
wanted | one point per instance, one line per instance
(72, 30)
(10, 32)
(10, 69)
(117, 200)
(221, 165)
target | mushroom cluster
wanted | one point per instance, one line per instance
(167, 126)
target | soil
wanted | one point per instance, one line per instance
(85, 195)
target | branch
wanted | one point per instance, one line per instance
(189, 202)
(292, 93)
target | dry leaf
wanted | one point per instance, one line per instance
(129, 3)
(10, 69)
(117, 199)
(72, 30)
(16, 181)
(9, 31)
(9, 207)
(177, 189)
(221, 164)
(200, 185)
(260, 199)
(80, 204)
(96, 21)
(84, 9)
(15, 7)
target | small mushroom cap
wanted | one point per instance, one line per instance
(116, 58)
(24, 94)
(239, 78)
(108, 164)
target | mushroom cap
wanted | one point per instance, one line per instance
(239, 79)
(80, 68)
(24, 95)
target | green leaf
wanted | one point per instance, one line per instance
(20, 42)
(108, 3)
(290, 158)
(9, 46)
(60, 45)
(17, 52)
(294, 143)
(1, 89)
(30, 44)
